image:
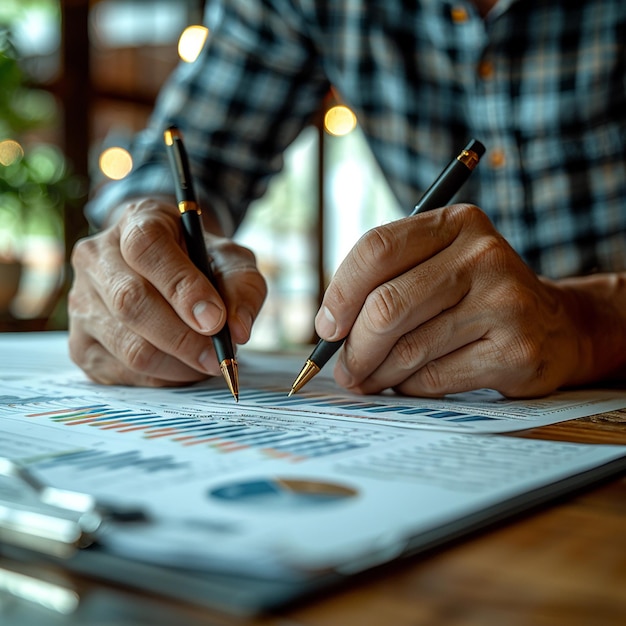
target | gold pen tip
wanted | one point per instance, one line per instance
(230, 371)
(309, 370)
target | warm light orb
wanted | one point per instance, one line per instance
(10, 152)
(116, 163)
(339, 120)
(191, 42)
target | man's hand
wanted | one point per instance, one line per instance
(142, 314)
(440, 303)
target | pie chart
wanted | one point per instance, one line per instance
(282, 493)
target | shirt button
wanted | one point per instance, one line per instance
(497, 158)
(459, 14)
(486, 70)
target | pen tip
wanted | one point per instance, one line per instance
(309, 370)
(231, 376)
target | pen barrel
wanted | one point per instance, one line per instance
(194, 240)
(179, 164)
(444, 188)
(451, 179)
(324, 350)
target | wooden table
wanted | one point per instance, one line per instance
(564, 564)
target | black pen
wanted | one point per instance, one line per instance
(437, 195)
(194, 239)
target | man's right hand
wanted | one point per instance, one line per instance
(140, 312)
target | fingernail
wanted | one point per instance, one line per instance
(208, 315)
(325, 324)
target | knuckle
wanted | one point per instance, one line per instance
(338, 296)
(127, 297)
(376, 247)
(383, 309)
(181, 342)
(178, 284)
(491, 251)
(471, 219)
(140, 241)
(414, 348)
(468, 214)
(519, 305)
(432, 378)
(407, 353)
(257, 284)
(522, 353)
(432, 337)
(83, 251)
(525, 352)
(140, 356)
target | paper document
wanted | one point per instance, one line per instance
(280, 487)
(265, 381)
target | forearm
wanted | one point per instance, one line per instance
(596, 306)
(235, 129)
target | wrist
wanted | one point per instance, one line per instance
(596, 307)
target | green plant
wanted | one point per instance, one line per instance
(35, 180)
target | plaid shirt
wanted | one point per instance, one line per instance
(541, 83)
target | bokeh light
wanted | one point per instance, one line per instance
(339, 120)
(191, 42)
(116, 163)
(10, 152)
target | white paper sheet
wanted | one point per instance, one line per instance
(265, 380)
(271, 488)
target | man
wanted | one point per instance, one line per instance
(525, 294)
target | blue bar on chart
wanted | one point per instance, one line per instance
(342, 404)
(223, 435)
(101, 462)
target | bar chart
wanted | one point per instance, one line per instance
(353, 406)
(223, 434)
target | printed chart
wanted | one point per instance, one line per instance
(282, 493)
(225, 434)
(338, 404)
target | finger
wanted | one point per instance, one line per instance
(517, 361)
(241, 285)
(393, 310)
(104, 368)
(477, 365)
(380, 255)
(137, 355)
(442, 335)
(504, 358)
(150, 244)
(127, 316)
